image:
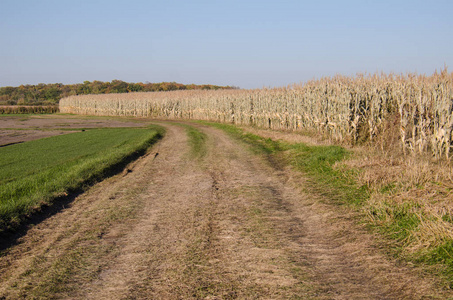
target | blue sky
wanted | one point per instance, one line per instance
(250, 44)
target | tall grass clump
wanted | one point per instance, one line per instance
(409, 113)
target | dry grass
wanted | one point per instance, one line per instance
(410, 200)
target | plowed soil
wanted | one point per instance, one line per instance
(223, 225)
(18, 129)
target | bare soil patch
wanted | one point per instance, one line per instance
(9, 137)
(224, 226)
(18, 129)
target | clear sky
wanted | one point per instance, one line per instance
(250, 44)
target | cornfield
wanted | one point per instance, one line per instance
(415, 109)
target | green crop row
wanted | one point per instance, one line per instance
(35, 173)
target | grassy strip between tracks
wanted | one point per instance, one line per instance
(329, 177)
(35, 173)
(197, 141)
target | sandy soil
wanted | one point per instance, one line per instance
(226, 225)
(17, 129)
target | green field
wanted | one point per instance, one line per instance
(35, 173)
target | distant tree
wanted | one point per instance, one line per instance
(134, 87)
(52, 93)
(118, 86)
(7, 90)
(99, 87)
(84, 89)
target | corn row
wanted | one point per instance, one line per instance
(354, 110)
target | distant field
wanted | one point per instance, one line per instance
(19, 128)
(28, 109)
(34, 173)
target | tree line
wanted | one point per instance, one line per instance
(50, 94)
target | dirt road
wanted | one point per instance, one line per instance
(220, 224)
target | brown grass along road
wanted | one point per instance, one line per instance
(224, 225)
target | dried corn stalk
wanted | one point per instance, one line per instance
(343, 108)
